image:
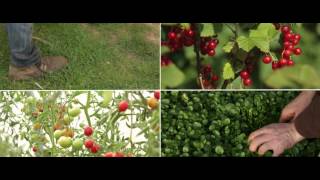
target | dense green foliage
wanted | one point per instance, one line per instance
(218, 123)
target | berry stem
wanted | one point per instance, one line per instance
(197, 48)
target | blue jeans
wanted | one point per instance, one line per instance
(23, 52)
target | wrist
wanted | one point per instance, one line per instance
(296, 135)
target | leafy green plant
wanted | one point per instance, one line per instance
(81, 123)
(238, 55)
(218, 123)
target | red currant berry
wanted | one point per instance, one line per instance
(212, 45)
(203, 51)
(283, 62)
(286, 44)
(267, 59)
(212, 52)
(290, 62)
(297, 51)
(285, 29)
(287, 53)
(247, 82)
(244, 74)
(295, 42)
(189, 32)
(290, 47)
(275, 65)
(287, 37)
(188, 42)
(216, 41)
(172, 35)
(205, 83)
(214, 78)
(297, 37)
(207, 69)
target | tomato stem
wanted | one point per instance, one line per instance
(86, 107)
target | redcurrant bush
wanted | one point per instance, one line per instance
(213, 55)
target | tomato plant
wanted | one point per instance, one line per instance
(80, 123)
(213, 55)
(218, 123)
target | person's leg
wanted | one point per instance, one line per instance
(26, 61)
(23, 52)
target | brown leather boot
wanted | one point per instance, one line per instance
(46, 65)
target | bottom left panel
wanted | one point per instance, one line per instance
(79, 124)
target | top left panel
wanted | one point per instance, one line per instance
(79, 56)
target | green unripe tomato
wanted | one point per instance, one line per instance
(82, 125)
(65, 142)
(57, 134)
(67, 119)
(74, 112)
(107, 97)
(30, 100)
(77, 144)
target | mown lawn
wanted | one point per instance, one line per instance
(101, 55)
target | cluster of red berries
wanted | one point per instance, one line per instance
(89, 143)
(208, 46)
(92, 146)
(179, 37)
(245, 75)
(165, 61)
(290, 40)
(208, 77)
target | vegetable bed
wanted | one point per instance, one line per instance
(219, 123)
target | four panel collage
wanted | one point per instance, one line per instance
(159, 90)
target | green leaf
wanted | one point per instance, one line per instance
(268, 29)
(228, 47)
(298, 76)
(207, 30)
(185, 25)
(228, 72)
(245, 43)
(260, 39)
(263, 36)
(171, 76)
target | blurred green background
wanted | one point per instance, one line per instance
(305, 73)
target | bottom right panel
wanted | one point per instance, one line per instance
(240, 123)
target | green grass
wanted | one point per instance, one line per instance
(101, 55)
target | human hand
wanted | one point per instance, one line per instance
(295, 107)
(275, 137)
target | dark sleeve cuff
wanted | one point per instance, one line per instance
(308, 122)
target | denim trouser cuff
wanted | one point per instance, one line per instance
(23, 51)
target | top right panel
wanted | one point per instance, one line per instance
(240, 56)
